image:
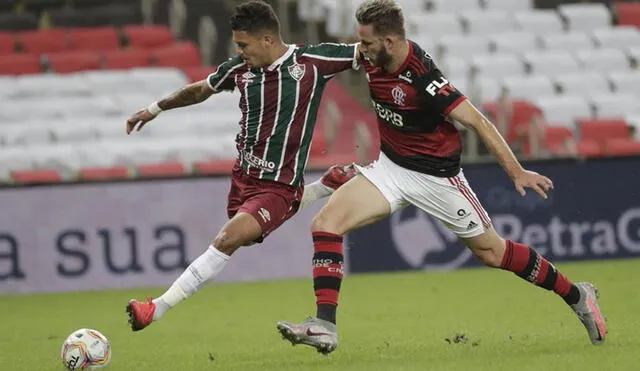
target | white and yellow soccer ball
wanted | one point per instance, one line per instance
(85, 349)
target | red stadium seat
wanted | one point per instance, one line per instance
(116, 172)
(169, 169)
(555, 137)
(36, 176)
(628, 14)
(622, 147)
(222, 167)
(125, 59)
(98, 39)
(148, 36)
(319, 144)
(74, 61)
(198, 73)
(523, 112)
(183, 54)
(40, 42)
(603, 130)
(7, 43)
(589, 148)
(18, 64)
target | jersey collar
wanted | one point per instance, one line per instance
(283, 58)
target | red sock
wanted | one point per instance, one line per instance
(533, 267)
(327, 272)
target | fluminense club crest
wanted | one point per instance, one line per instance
(297, 71)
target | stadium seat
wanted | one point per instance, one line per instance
(633, 53)
(563, 109)
(51, 85)
(36, 176)
(103, 173)
(622, 147)
(551, 63)
(198, 73)
(132, 101)
(508, 5)
(628, 13)
(625, 81)
(167, 169)
(148, 36)
(589, 148)
(18, 64)
(79, 131)
(528, 87)
(614, 105)
(67, 62)
(14, 158)
(585, 17)
(540, 22)
(158, 80)
(566, 42)
(125, 59)
(602, 130)
(513, 42)
(214, 167)
(463, 46)
(617, 37)
(7, 86)
(555, 136)
(633, 120)
(21, 134)
(184, 54)
(434, 25)
(583, 83)
(97, 39)
(453, 66)
(65, 158)
(18, 21)
(484, 23)
(110, 81)
(453, 6)
(7, 44)
(498, 65)
(40, 42)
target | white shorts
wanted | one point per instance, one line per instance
(449, 200)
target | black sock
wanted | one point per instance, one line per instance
(327, 312)
(573, 297)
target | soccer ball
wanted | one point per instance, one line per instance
(85, 349)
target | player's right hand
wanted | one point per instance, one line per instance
(139, 118)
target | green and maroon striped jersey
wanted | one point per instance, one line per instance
(279, 104)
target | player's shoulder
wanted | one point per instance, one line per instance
(233, 62)
(421, 61)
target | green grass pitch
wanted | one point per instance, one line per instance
(397, 321)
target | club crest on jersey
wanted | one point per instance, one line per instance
(297, 71)
(398, 95)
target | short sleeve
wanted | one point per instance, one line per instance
(331, 58)
(438, 92)
(224, 77)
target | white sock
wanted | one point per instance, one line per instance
(201, 270)
(314, 192)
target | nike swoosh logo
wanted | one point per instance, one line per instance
(313, 333)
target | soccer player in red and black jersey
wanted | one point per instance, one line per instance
(419, 164)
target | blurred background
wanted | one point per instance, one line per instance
(559, 79)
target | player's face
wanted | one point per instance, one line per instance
(252, 48)
(372, 46)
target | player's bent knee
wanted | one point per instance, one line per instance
(323, 222)
(489, 257)
(228, 243)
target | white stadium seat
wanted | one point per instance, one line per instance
(158, 80)
(454, 66)
(585, 17)
(25, 133)
(603, 59)
(498, 65)
(484, 23)
(513, 42)
(452, 5)
(585, 83)
(462, 46)
(433, 25)
(53, 85)
(563, 109)
(617, 37)
(540, 22)
(567, 41)
(614, 105)
(7, 86)
(625, 81)
(633, 53)
(77, 132)
(14, 158)
(528, 87)
(116, 81)
(551, 62)
(508, 5)
(634, 121)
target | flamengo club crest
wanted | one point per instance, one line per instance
(296, 71)
(398, 95)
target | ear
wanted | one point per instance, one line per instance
(389, 41)
(268, 38)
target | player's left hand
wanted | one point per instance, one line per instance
(533, 180)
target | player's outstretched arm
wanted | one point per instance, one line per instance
(469, 116)
(190, 94)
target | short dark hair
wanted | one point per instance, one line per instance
(254, 17)
(384, 15)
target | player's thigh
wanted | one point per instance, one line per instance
(355, 204)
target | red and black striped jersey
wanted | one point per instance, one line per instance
(412, 106)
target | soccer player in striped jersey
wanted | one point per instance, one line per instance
(281, 86)
(419, 164)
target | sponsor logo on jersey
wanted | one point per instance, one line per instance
(388, 115)
(406, 77)
(398, 95)
(255, 161)
(265, 214)
(296, 71)
(440, 87)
